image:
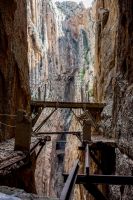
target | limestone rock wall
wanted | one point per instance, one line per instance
(59, 46)
(14, 83)
(61, 68)
(83, 92)
(72, 154)
(114, 82)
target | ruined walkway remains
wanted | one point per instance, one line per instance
(90, 144)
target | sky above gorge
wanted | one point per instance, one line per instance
(87, 3)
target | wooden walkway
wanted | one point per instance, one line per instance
(90, 144)
(10, 159)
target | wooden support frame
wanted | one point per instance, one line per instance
(86, 131)
(76, 105)
(26, 158)
(23, 131)
(44, 121)
(76, 133)
(87, 114)
(99, 145)
(34, 120)
(60, 133)
(42, 144)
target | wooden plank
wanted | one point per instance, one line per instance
(75, 105)
(100, 142)
(86, 131)
(60, 133)
(23, 132)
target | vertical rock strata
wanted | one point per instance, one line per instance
(61, 53)
(57, 50)
(59, 46)
(14, 83)
(114, 82)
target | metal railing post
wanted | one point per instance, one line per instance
(87, 160)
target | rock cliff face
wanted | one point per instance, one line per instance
(61, 53)
(114, 82)
(14, 83)
(59, 48)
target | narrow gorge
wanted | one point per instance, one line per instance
(66, 97)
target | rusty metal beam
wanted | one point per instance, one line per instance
(41, 142)
(44, 121)
(76, 133)
(94, 191)
(75, 105)
(60, 133)
(87, 161)
(34, 120)
(103, 179)
(70, 182)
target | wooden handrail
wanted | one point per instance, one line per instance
(76, 105)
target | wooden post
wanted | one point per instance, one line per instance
(86, 130)
(23, 131)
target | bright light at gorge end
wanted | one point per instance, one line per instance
(87, 3)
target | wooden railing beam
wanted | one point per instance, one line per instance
(75, 105)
